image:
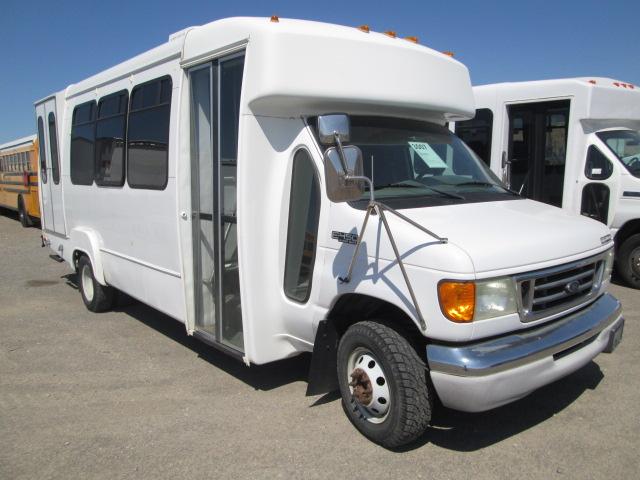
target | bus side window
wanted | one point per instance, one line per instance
(110, 139)
(41, 148)
(148, 135)
(477, 132)
(597, 166)
(82, 143)
(302, 237)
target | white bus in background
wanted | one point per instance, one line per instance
(209, 179)
(573, 143)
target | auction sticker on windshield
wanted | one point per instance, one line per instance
(426, 153)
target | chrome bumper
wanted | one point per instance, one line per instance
(489, 373)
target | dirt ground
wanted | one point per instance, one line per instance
(126, 394)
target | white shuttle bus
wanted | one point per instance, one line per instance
(573, 143)
(284, 186)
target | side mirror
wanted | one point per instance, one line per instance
(330, 125)
(339, 188)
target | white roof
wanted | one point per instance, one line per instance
(19, 142)
(303, 68)
(605, 101)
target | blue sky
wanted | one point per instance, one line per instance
(46, 45)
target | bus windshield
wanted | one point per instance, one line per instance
(625, 144)
(410, 159)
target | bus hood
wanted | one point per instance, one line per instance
(508, 236)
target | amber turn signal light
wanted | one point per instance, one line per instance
(457, 300)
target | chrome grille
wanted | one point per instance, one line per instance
(560, 289)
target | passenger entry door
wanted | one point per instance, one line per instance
(50, 168)
(537, 149)
(215, 117)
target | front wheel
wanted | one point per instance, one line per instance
(628, 261)
(383, 383)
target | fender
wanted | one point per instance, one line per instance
(87, 241)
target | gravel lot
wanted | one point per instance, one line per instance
(127, 394)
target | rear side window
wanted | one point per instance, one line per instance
(83, 143)
(598, 166)
(302, 237)
(476, 133)
(53, 140)
(41, 147)
(110, 139)
(148, 135)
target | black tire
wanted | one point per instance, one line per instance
(24, 217)
(628, 261)
(410, 396)
(96, 297)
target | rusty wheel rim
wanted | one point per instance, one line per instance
(368, 385)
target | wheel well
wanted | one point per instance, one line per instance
(354, 307)
(630, 228)
(76, 258)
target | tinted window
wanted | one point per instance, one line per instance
(53, 140)
(476, 133)
(304, 212)
(41, 147)
(148, 135)
(597, 167)
(83, 144)
(110, 135)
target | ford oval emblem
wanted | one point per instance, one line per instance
(572, 287)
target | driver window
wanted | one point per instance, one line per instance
(597, 166)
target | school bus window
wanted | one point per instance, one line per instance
(110, 135)
(148, 135)
(83, 143)
(53, 140)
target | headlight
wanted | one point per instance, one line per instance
(464, 302)
(495, 298)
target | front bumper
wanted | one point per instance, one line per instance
(484, 375)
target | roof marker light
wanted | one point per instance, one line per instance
(275, 19)
(617, 84)
(412, 39)
(449, 54)
(592, 82)
(363, 28)
(391, 33)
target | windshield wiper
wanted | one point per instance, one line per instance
(411, 185)
(487, 184)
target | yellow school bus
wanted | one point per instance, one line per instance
(19, 178)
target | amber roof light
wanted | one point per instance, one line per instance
(275, 19)
(363, 28)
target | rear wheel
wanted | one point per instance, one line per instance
(96, 297)
(24, 217)
(628, 261)
(383, 383)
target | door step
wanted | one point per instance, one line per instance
(57, 258)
